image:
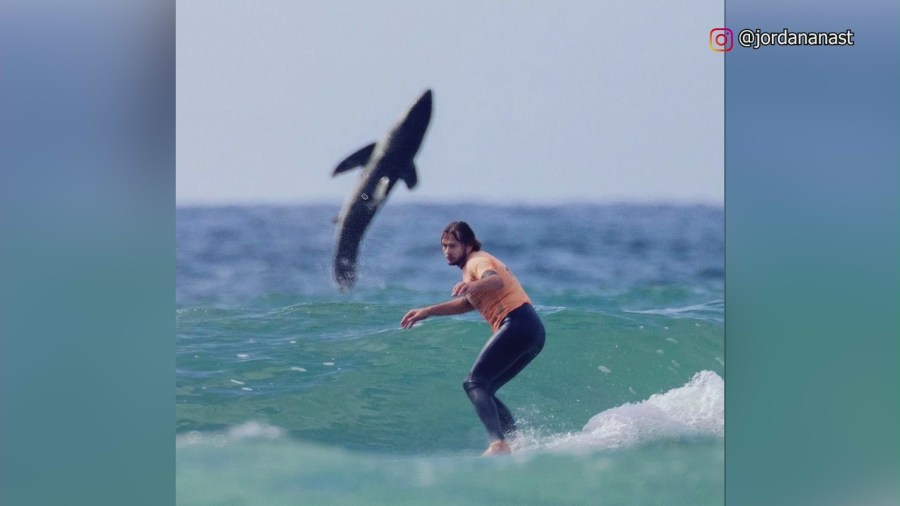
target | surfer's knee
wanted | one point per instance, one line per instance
(471, 384)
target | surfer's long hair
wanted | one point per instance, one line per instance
(462, 232)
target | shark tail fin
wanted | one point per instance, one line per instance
(358, 159)
(409, 176)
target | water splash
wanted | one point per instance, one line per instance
(695, 410)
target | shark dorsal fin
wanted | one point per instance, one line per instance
(409, 176)
(358, 159)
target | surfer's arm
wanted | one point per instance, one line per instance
(451, 307)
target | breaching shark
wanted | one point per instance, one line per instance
(383, 164)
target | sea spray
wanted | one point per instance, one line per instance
(694, 411)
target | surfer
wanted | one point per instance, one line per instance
(488, 286)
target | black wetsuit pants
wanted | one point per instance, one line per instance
(519, 339)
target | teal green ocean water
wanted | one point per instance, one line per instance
(291, 392)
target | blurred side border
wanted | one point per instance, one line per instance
(87, 165)
(811, 201)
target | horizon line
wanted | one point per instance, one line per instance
(464, 202)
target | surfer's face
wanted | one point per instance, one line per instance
(454, 251)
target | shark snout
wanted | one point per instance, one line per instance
(410, 130)
(420, 112)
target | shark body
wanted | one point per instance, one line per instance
(383, 164)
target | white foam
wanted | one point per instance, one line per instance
(254, 430)
(604, 369)
(696, 409)
(248, 430)
(298, 369)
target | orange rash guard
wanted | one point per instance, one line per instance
(493, 305)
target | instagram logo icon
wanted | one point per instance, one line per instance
(721, 40)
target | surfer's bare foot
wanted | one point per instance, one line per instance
(498, 447)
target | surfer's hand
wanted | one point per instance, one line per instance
(460, 289)
(412, 317)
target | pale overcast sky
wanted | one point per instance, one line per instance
(534, 102)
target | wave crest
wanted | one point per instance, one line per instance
(695, 410)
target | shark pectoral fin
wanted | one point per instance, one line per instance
(358, 159)
(409, 176)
